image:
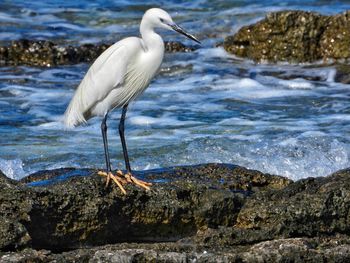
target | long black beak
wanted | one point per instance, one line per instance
(182, 31)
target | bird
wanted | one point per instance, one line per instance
(117, 77)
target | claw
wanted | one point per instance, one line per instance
(115, 179)
(119, 184)
(121, 179)
(108, 179)
(138, 182)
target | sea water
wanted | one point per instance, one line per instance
(204, 106)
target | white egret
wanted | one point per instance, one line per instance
(118, 76)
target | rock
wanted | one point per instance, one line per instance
(329, 249)
(293, 36)
(14, 208)
(334, 249)
(72, 208)
(342, 73)
(174, 46)
(204, 213)
(46, 53)
(335, 40)
(310, 207)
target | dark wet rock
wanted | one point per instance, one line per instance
(14, 208)
(293, 36)
(204, 213)
(342, 73)
(69, 210)
(65, 210)
(46, 53)
(310, 207)
(175, 46)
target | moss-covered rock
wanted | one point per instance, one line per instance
(293, 36)
(46, 53)
(335, 40)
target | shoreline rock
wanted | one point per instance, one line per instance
(46, 53)
(205, 212)
(293, 36)
(331, 249)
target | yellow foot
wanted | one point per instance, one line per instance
(116, 178)
(132, 179)
(121, 179)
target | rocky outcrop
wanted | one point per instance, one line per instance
(70, 208)
(46, 53)
(331, 249)
(204, 213)
(293, 36)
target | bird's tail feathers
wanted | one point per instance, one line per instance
(74, 115)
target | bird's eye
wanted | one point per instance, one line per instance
(161, 20)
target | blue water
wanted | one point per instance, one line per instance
(60, 178)
(205, 106)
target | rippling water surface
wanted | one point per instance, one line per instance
(205, 106)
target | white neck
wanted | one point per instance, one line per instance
(151, 39)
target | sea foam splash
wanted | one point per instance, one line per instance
(12, 168)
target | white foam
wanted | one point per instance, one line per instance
(205, 107)
(303, 158)
(160, 121)
(143, 120)
(242, 137)
(331, 75)
(240, 121)
(218, 52)
(12, 168)
(53, 125)
(296, 84)
(312, 134)
(289, 142)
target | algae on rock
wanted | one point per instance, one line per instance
(293, 36)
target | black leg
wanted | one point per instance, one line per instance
(122, 138)
(105, 142)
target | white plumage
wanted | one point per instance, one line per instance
(120, 74)
(117, 76)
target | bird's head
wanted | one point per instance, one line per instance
(158, 18)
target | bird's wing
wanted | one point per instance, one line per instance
(104, 75)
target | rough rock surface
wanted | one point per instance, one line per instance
(207, 213)
(46, 53)
(280, 250)
(293, 36)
